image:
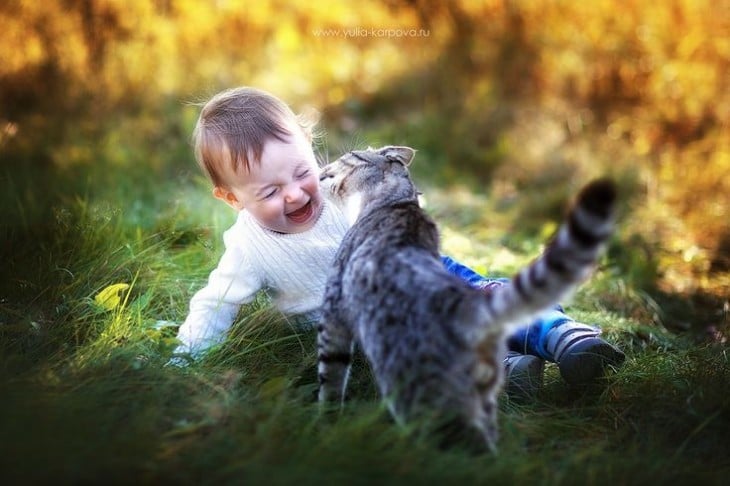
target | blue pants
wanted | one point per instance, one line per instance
(527, 340)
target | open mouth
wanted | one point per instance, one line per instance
(302, 214)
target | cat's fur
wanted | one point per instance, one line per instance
(436, 345)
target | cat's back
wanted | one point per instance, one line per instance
(387, 257)
(391, 227)
(410, 315)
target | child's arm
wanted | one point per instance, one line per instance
(213, 308)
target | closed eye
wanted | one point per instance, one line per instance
(325, 174)
(268, 194)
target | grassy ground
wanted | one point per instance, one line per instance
(86, 399)
(510, 104)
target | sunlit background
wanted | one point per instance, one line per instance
(108, 228)
(516, 101)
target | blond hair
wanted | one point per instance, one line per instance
(234, 125)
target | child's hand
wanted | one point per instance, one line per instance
(179, 361)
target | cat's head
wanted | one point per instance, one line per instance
(369, 177)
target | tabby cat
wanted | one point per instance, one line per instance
(435, 345)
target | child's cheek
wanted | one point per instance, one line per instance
(312, 185)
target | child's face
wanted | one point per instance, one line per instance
(281, 191)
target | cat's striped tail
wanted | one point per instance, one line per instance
(568, 260)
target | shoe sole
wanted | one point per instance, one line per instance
(588, 360)
(526, 378)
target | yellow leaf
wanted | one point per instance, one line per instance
(111, 296)
(274, 387)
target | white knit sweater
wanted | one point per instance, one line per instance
(292, 267)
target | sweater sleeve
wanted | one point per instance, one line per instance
(213, 308)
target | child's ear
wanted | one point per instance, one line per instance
(227, 197)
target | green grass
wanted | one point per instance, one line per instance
(85, 398)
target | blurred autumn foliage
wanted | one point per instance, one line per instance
(520, 95)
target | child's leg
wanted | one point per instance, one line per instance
(531, 339)
(526, 340)
(523, 371)
(465, 273)
(580, 353)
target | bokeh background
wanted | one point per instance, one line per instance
(108, 228)
(519, 102)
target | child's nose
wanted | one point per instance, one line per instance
(293, 193)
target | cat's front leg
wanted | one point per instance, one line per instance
(334, 357)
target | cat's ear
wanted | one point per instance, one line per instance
(404, 155)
